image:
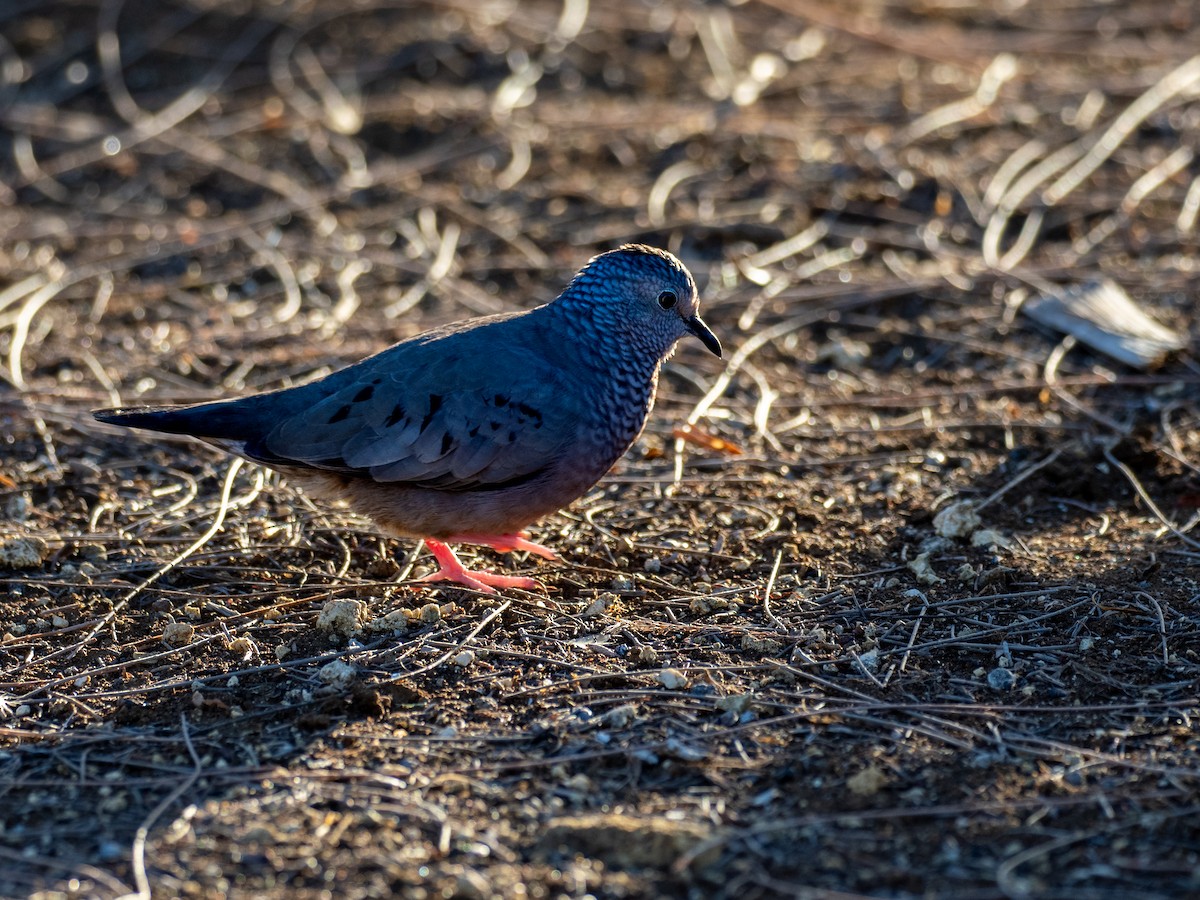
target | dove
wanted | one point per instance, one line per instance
(469, 433)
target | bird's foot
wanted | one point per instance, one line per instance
(451, 569)
(506, 543)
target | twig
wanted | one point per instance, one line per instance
(771, 617)
(222, 507)
(1162, 624)
(912, 637)
(138, 862)
(437, 663)
(1148, 500)
(1047, 460)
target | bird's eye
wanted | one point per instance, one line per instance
(667, 300)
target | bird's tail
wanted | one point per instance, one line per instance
(220, 420)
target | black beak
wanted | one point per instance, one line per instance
(696, 326)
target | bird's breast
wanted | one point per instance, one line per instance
(619, 414)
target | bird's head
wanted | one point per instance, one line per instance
(640, 296)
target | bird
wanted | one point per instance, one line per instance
(469, 433)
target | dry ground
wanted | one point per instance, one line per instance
(752, 675)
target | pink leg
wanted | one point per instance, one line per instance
(450, 569)
(505, 543)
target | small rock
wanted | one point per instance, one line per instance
(923, 570)
(987, 537)
(396, 620)
(178, 634)
(765, 645)
(957, 520)
(23, 552)
(599, 606)
(91, 552)
(867, 782)
(340, 617)
(869, 660)
(241, 646)
(672, 679)
(734, 703)
(86, 573)
(645, 655)
(338, 674)
(1000, 679)
(430, 613)
(702, 606)
(464, 658)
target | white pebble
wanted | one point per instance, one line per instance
(599, 606)
(672, 678)
(464, 658)
(956, 520)
(340, 617)
(337, 674)
(23, 552)
(177, 634)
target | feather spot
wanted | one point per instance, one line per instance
(501, 401)
(340, 415)
(529, 412)
(394, 416)
(365, 394)
(435, 403)
(447, 442)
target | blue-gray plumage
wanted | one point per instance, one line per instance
(470, 432)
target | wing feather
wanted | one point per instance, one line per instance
(417, 416)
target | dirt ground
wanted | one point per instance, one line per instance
(923, 621)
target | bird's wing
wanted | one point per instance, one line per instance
(450, 415)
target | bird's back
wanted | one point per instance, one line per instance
(473, 406)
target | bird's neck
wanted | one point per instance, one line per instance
(621, 373)
(593, 338)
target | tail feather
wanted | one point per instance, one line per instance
(222, 419)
